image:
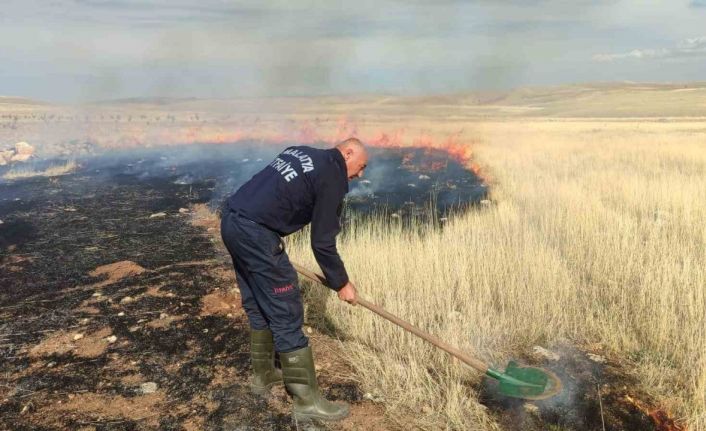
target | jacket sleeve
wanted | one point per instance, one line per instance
(324, 228)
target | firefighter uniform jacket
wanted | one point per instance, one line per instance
(302, 185)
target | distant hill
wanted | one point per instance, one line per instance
(593, 100)
(14, 100)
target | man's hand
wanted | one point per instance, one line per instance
(348, 293)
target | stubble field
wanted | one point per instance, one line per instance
(596, 237)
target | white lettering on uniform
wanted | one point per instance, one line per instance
(284, 168)
(288, 177)
(305, 160)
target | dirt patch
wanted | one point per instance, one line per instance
(13, 263)
(56, 344)
(139, 408)
(87, 309)
(197, 423)
(223, 376)
(93, 345)
(157, 293)
(116, 271)
(220, 303)
(225, 273)
(164, 321)
(132, 379)
(14, 259)
(85, 346)
(366, 416)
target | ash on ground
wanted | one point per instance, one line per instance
(399, 183)
(597, 394)
(112, 318)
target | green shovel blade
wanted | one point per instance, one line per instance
(526, 382)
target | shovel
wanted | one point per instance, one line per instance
(529, 383)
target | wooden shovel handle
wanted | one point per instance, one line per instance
(473, 362)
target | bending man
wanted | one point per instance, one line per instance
(302, 185)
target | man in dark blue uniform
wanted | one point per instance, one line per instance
(302, 185)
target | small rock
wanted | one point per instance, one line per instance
(163, 316)
(424, 177)
(121, 314)
(309, 330)
(78, 337)
(84, 321)
(229, 315)
(205, 331)
(374, 397)
(548, 354)
(97, 294)
(159, 214)
(133, 328)
(597, 358)
(183, 210)
(148, 388)
(127, 300)
(531, 408)
(112, 339)
(23, 151)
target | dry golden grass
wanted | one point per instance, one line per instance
(598, 235)
(52, 171)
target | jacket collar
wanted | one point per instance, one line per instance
(341, 163)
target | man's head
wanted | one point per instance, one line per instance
(355, 155)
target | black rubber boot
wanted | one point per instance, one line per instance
(262, 355)
(300, 379)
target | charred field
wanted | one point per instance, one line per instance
(119, 311)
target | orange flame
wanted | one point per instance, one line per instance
(304, 132)
(660, 417)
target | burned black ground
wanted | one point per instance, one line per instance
(596, 395)
(54, 234)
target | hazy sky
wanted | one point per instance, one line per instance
(75, 50)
